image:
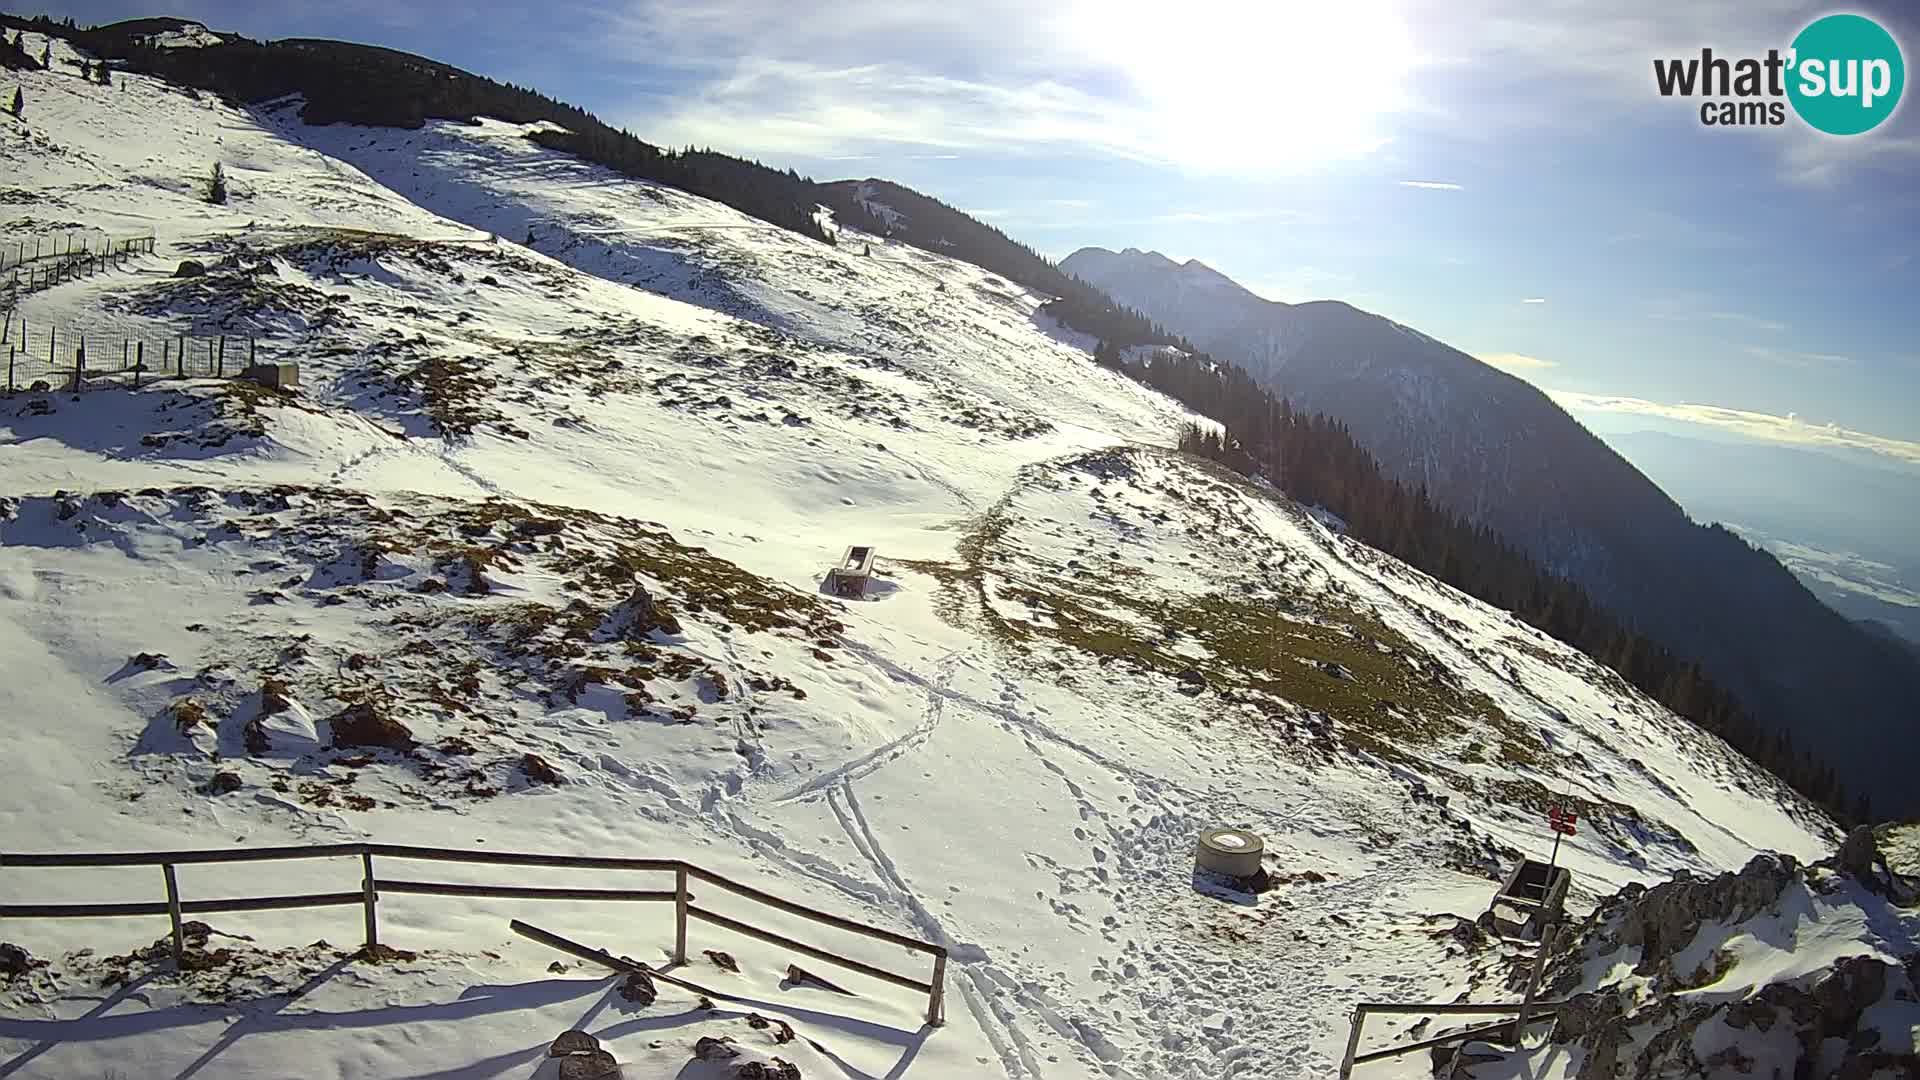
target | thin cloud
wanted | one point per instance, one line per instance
(1430, 185)
(1789, 430)
(1518, 362)
(1793, 358)
(1534, 300)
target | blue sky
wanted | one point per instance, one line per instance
(1500, 175)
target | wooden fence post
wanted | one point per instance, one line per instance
(680, 915)
(173, 913)
(181, 356)
(220, 368)
(139, 362)
(9, 369)
(371, 897)
(1533, 983)
(937, 998)
(80, 365)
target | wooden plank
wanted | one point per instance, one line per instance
(271, 903)
(520, 858)
(772, 938)
(187, 907)
(80, 911)
(1467, 1035)
(1502, 1008)
(160, 858)
(521, 892)
(805, 912)
(328, 851)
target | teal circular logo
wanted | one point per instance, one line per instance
(1845, 74)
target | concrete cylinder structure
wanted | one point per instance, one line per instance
(1232, 852)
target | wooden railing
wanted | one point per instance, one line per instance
(1526, 1013)
(368, 896)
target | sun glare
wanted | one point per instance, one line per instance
(1234, 85)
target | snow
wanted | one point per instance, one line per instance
(718, 400)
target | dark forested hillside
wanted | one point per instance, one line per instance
(1315, 460)
(366, 84)
(1499, 452)
(932, 225)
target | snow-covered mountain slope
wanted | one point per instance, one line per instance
(532, 561)
(1499, 452)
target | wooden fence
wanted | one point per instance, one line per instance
(367, 896)
(65, 359)
(1525, 1013)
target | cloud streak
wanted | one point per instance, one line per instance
(1790, 429)
(1430, 185)
(1517, 362)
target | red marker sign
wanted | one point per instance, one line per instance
(1562, 819)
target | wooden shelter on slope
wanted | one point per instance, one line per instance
(850, 577)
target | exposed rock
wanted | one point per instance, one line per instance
(709, 1048)
(558, 967)
(364, 724)
(1666, 918)
(592, 1065)
(1859, 854)
(539, 771)
(782, 1031)
(638, 988)
(640, 614)
(723, 961)
(147, 661)
(15, 961)
(224, 783)
(573, 1042)
(190, 268)
(1192, 682)
(1337, 670)
(767, 1070)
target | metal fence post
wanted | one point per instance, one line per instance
(371, 897)
(173, 913)
(680, 915)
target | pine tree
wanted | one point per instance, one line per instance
(86, 71)
(105, 73)
(19, 102)
(217, 186)
(46, 56)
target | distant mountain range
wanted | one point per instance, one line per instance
(1495, 449)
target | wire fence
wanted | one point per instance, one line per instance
(84, 261)
(67, 246)
(53, 358)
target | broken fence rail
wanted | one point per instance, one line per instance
(368, 896)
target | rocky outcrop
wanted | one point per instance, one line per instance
(365, 724)
(1646, 1025)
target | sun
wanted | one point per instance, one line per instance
(1229, 84)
